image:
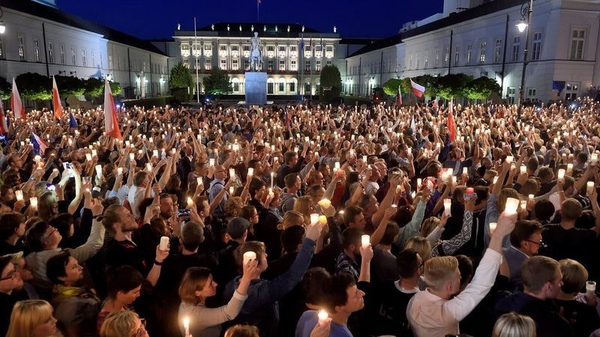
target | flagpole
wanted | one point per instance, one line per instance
(257, 10)
(196, 63)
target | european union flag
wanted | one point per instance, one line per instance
(72, 121)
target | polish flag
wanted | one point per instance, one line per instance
(111, 125)
(399, 95)
(41, 143)
(417, 89)
(3, 125)
(16, 105)
(451, 125)
(58, 109)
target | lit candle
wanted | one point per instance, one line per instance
(272, 178)
(594, 158)
(88, 157)
(33, 202)
(364, 158)
(149, 167)
(531, 197)
(322, 219)
(94, 153)
(523, 205)
(561, 174)
(509, 159)
(523, 169)
(325, 203)
(323, 317)
(211, 162)
(131, 156)
(336, 166)
(465, 171)
(199, 181)
(99, 171)
(19, 195)
(569, 168)
(231, 190)
(119, 171)
(493, 226)
(190, 202)
(314, 218)
(447, 206)
(590, 188)
(248, 256)
(495, 180)
(155, 153)
(232, 173)
(365, 241)
(511, 206)
(419, 182)
(251, 172)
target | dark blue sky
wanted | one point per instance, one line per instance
(159, 18)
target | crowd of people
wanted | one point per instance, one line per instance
(302, 220)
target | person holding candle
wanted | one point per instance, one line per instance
(32, 318)
(123, 324)
(12, 231)
(433, 312)
(525, 242)
(197, 286)
(216, 186)
(292, 163)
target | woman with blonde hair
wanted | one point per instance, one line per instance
(293, 218)
(421, 245)
(514, 325)
(304, 205)
(32, 318)
(242, 331)
(123, 324)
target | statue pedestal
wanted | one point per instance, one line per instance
(256, 88)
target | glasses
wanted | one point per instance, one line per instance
(45, 236)
(539, 243)
(11, 275)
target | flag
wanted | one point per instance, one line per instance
(3, 125)
(111, 125)
(435, 104)
(42, 145)
(399, 95)
(258, 1)
(558, 86)
(418, 90)
(58, 109)
(72, 121)
(451, 126)
(16, 105)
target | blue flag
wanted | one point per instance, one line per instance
(72, 121)
(558, 86)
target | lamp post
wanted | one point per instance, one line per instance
(526, 10)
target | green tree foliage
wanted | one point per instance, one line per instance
(481, 88)
(452, 85)
(115, 88)
(34, 86)
(5, 88)
(331, 83)
(391, 86)
(70, 85)
(217, 82)
(180, 77)
(94, 87)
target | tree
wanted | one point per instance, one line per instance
(331, 83)
(391, 86)
(34, 86)
(94, 87)
(217, 82)
(452, 85)
(115, 88)
(5, 88)
(481, 88)
(70, 85)
(180, 82)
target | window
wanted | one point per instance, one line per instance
(270, 88)
(36, 50)
(281, 53)
(281, 86)
(21, 40)
(207, 50)
(293, 52)
(246, 64)
(418, 58)
(270, 51)
(577, 44)
(270, 66)
(73, 57)
(83, 58)
(515, 48)
(282, 65)
(110, 60)
(498, 51)
(446, 55)
(456, 56)
(410, 62)
(482, 47)
(236, 86)
(2, 48)
(235, 64)
(512, 93)
(426, 61)
(185, 50)
(186, 63)
(571, 90)
(93, 59)
(207, 65)
(437, 58)
(235, 51)
(50, 52)
(223, 64)
(292, 86)
(318, 65)
(293, 65)
(531, 92)
(307, 65)
(469, 53)
(537, 46)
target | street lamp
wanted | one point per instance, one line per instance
(524, 23)
(2, 26)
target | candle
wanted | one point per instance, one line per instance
(569, 168)
(199, 181)
(531, 197)
(211, 162)
(523, 169)
(495, 180)
(314, 218)
(511, 206)
(19, 195)
(88, 157)
(232, 173)
(509, 159)
(131, 156)
(119, 171)
(33, 202)
(594, 158)
(99, 171)
(493, 226)
(231, 190)
(590, 188)
(447, 206)
(251, 172)
(272, 178)
(523, 205)
(419, 182)
(149, 167)
(248, 256)
(364, 158)
(323, 317)
(561, 174)
(325, 203)
(164, 243)
(336, 166)
(365, 241)
(453, 180)
(155, 153)
(465, 171)
(94, 153)
(190, 202)
(322, 219)
(37, 159)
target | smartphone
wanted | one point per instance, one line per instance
(183, 212)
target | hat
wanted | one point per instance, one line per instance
(236, 227)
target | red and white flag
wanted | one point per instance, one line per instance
(111, 125)
(417, 89)
(3, 125)
(451, 124)
(58, 109)
(16, 105)
(41, 143)
(435, 104)
(399, 94)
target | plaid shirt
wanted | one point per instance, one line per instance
(345, 264)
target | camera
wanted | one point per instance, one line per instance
(183, 212)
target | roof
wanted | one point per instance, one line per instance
(56, 15)
(379, 44)
(246, 29)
